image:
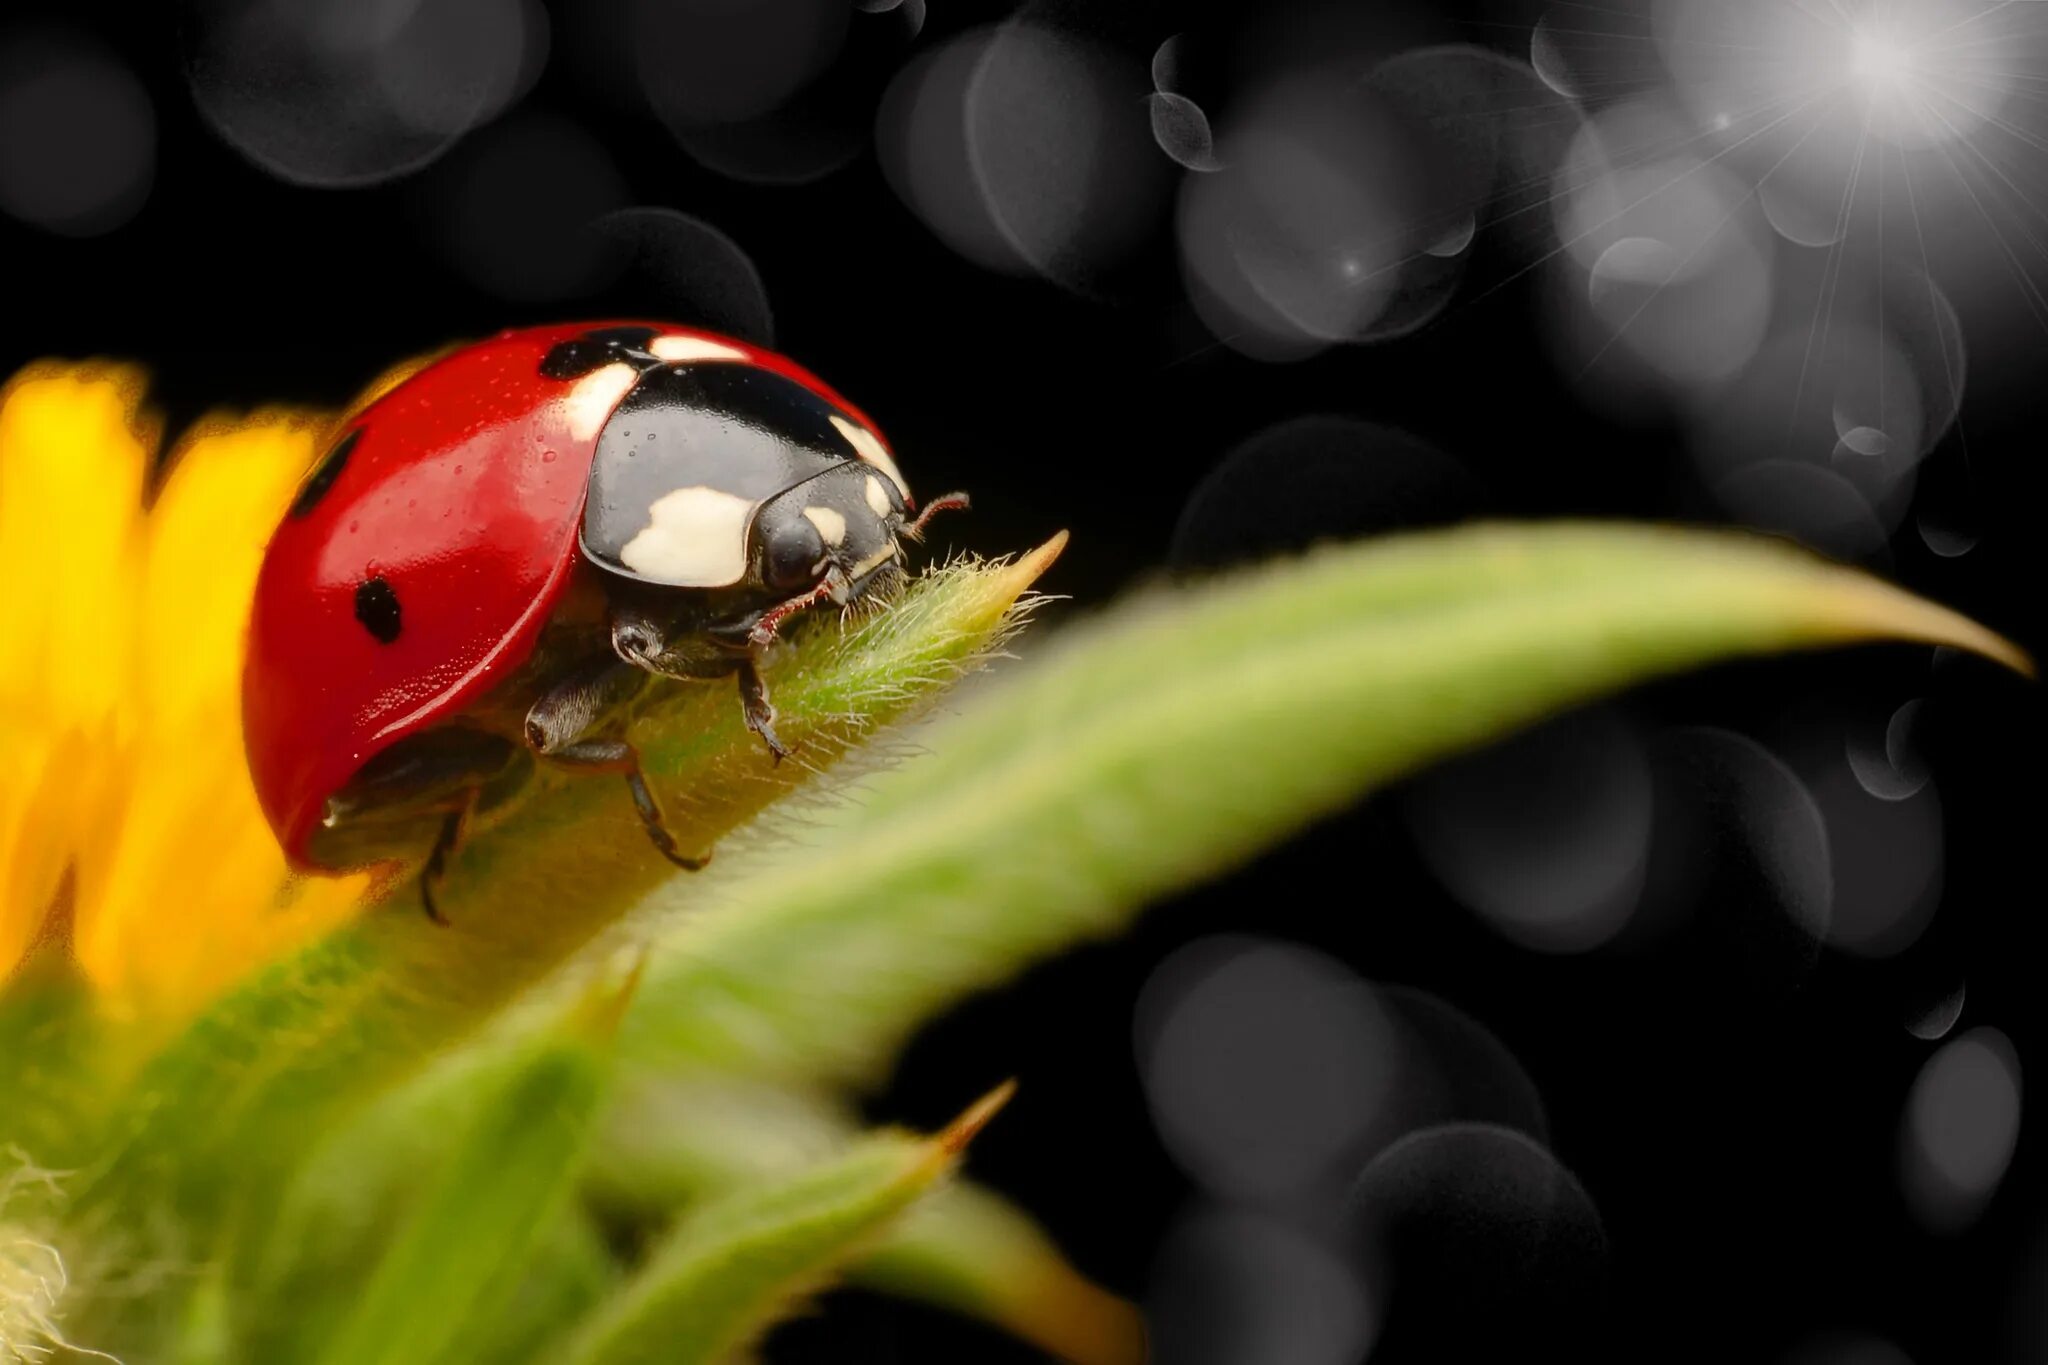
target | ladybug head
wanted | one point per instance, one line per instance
(849, 518)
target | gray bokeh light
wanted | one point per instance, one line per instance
(1236, 1288)
(1808, 503)
(1740, 877)
(1298, 242)
(921, 141)
(1267, 1065)
(335, 93)
(1960, 1127)
(1314, 478)
(1885, 757)
(1545, 836)
(506, 238)
(705, 62)
(1060, 147)
(1932, 1017)
(1888, 858)
(1480, 1245)
(690, 271)
(77, 134)
(1182, 130)
(1846, 1348)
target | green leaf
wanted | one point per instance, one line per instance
(971, 1251)
(671, 1142)
(1180, 733)
(301, 1264)
(735, 1266)
(258, 1076)
(51, 1062)
(571, 1273)
(451, 1267)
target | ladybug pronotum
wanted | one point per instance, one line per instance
(495, 560)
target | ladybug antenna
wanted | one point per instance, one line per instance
(945, 502)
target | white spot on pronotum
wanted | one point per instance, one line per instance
(695, 537)
(831, 526)
(878, 498)
(676, 349)
(873, 562)
(870, 448)
(594, 397)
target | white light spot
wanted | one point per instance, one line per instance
(595, 396)
(1880, 59)
(878, 498)
(676, 349)
(831, 526)
(870, 448)
(1961, 1124)
(1935, 1019)
(1267, 1066)
(696, 537)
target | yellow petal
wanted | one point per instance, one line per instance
(193, 891)
(74, 449)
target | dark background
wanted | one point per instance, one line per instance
(1740, 1140)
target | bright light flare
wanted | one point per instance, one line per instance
(1882, 62)
(1916, 73)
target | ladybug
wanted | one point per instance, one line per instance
(494, 561)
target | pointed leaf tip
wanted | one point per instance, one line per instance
(963, 1130)
(1018, 577)
(1079, 1322)
(596, 1016)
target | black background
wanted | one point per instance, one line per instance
(1742, 1151)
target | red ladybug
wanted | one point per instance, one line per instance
(497, 557)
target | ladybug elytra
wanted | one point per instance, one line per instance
(494, 560)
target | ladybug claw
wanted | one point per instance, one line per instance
(684, 861)
(762, 723)
(760, 715)
(453, 826)
(427, 902)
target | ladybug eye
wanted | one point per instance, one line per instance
(791, 554)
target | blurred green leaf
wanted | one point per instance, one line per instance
(974, 1252)
(671, 1142)
(259, 1076)
(1181, 732)
(570, 1274)
(736, 1265)
(52, 1063)
(299, 1265)
(451, 1267)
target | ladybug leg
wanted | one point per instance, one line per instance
(439, 781)
(833, 587)
(454, 828)
(563, 728)
(641, 642)
(618, 756)
(755, 706)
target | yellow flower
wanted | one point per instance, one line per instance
(129, 831)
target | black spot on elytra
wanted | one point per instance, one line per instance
(377, 609)
(599, 347)
(324, 474)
